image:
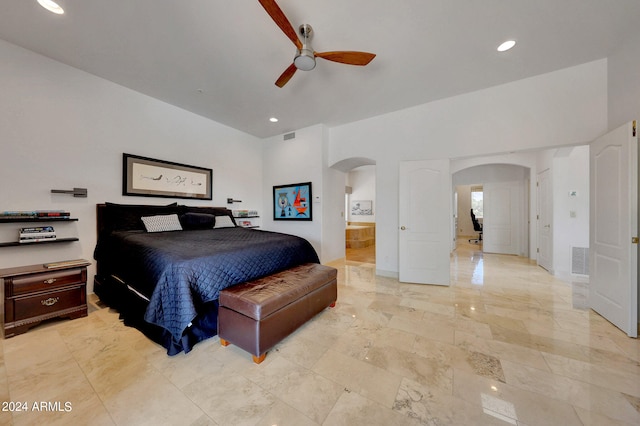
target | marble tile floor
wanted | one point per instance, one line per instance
(503, 345)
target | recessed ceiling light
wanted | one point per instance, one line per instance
(273, 120)
(506, 45)
(51, 6)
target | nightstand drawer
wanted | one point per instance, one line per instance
(47, 281)
(48, 303)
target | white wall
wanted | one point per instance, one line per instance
(570, 213)
(295, 161)
(569, 171)
(490, 173)
(566, 107)
(62, 128)
(362, 180)
(333, 213)
(624, 83)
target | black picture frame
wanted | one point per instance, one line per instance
(150, 177)
(293, 202)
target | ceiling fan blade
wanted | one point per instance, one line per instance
(347, 57)
(286, 75)
(281, 20)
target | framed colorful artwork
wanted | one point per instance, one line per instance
(292, 202)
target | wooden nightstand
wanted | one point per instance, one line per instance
(32, 294)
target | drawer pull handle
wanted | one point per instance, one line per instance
(50, 301)
(50, 281)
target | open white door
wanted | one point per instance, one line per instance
(425, 222)
(501, 226)
(613, 229)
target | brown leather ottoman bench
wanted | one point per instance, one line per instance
(257, 315)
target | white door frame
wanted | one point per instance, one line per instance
(544, 220)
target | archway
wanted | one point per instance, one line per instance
(506, 194)
(359, 208)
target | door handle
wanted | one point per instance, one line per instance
(402, 228)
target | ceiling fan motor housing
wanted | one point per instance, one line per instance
(305, 59)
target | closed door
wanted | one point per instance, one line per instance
(501, 227)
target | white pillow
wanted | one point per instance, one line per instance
(160, 223)
(223, 222)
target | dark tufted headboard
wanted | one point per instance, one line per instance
(125, 217)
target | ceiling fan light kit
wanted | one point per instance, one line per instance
(305, 58)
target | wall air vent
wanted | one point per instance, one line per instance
(291, 135)
(580, 261)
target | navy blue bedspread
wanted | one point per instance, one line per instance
(179, 271)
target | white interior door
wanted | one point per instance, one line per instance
(545, 216)
(502, 204)
(425, 222)
(613, 228)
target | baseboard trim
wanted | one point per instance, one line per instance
(388, 274)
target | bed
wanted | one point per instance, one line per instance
(166, 282)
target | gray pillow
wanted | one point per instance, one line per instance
(224, 222)
(161, 223)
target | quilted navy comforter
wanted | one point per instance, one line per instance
(181, 270)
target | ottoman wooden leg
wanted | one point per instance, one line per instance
(259, 359)
(333, 305)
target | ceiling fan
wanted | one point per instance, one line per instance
(305, 58)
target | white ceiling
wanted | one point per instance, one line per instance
(220, 58)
